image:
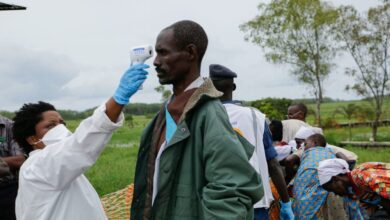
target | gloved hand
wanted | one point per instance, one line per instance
(286, 211)
(131, 80)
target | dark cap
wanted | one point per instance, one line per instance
(219, 71)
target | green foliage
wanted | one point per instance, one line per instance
(371, 154)
(142, 108)
(298, 33)
(273, 108)
(366, 38)
(349, 111)
(73, 115)
(7, 114)
(165, 93)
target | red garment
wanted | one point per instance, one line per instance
(372, 177)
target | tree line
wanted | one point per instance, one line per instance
(308, 36)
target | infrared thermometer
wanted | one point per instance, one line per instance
(140, 54)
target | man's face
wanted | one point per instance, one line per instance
(171, 63)
(293, 112)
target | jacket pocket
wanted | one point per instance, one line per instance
(186, 203)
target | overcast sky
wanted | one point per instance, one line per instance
(72, 53)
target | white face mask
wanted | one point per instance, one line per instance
(55, 134)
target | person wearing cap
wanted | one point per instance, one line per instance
(311, 201)
(369, 182)
(251, 124)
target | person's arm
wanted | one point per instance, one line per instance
(233, 186)
(291, 164)
(14, 162)
(275, 171)
(57, 165)
(4, 169)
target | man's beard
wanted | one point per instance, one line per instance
(162, 80)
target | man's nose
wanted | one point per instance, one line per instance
(156, 61)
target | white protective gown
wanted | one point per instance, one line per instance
(242, 120)
(51, 181)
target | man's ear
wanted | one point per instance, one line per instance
(234, 86)
(192, 52)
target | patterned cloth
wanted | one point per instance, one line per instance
(117, 204)
(372, 177)
(309, 196)
(354, 209)
(8, 147)
(274, 209)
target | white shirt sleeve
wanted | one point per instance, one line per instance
(58, 164)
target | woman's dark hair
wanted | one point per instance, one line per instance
(25, 121)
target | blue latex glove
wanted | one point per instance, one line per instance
(131, 80)
(286, 211)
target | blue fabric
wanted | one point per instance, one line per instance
(309, 196)
(270, 152)
(261, 214)
(354, 210)
(171, 126)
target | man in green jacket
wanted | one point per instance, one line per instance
(191, 164)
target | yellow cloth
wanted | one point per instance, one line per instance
(117, 204)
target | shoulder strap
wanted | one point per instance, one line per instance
(254, 121)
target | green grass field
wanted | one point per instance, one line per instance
(327, 110)
(116, 166)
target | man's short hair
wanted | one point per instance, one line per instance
(25, 121)
(318, 139)
(301, 107)
(189, 32)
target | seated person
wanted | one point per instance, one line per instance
(369, 182)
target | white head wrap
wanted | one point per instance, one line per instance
(330, 168)
(304, 132)
(290, 128)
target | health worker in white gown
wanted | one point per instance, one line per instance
(51, 182)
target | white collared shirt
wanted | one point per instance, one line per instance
(51, 181)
